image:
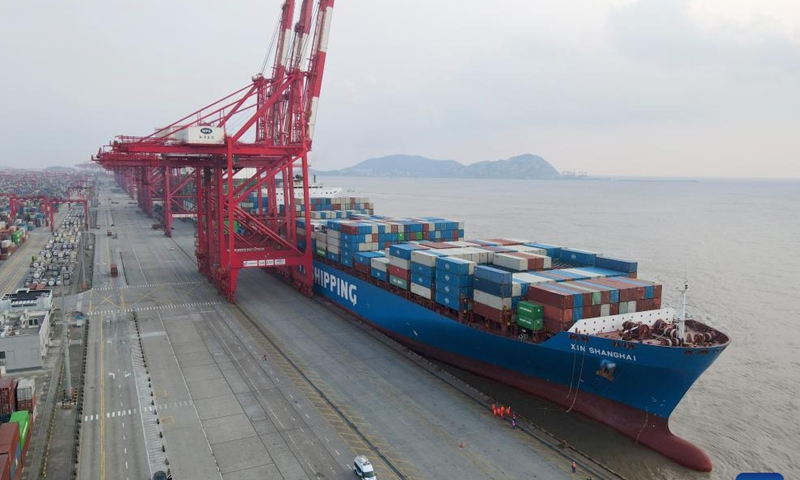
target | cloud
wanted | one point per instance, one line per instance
(669, 32)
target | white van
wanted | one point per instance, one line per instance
(363, 468)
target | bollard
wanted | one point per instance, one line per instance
(160, 434)
(163, 448)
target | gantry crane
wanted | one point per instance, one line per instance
(278, 114)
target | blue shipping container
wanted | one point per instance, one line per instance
(423, 270)
(624, 266)
(447, 278)
(493, 274)
(422, 280)
(455, 265)
(578, 256)
(380, 275)
(502, 290)
(455, 290)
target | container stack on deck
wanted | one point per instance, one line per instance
(532, 285)
(17, 407)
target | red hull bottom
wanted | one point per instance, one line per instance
(648, 430)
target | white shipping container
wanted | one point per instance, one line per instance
(400, 263)
(334, 241)
(461, 243)
(548, 262)
(492, 301)
(424, 258)
(26, 388)
(333, 249)
(605, 310)
(489, 255)
(334, 233)
(516, 288)
(508, 261)
(423, 292)
(201, 135)
(631, 306)
(527, 249)
(517, 240)
(481, 255)
(379, 263)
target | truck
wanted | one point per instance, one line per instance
(363, 468)
(114, 271)
(108, 233)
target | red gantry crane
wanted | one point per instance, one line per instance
(261, 132)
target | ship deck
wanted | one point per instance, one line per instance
(697, 334)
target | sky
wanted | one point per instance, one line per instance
(696, 88)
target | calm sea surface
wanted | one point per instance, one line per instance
(737, 242)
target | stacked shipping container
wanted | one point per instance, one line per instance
(534, 285)
(10, 445)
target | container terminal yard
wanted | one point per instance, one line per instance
(169, 376)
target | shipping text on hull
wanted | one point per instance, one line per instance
(631, 386)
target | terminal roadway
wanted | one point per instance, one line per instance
(278, 386)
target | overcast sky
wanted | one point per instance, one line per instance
(610, 87)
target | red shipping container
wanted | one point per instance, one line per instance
(399, 272)
(8, 391)
(5, 467)
(29, 405)
(555, 326)
(362, 267)
(488, 312)
(9, 442)
(544, 295)
(614, 309)
(535, 262)
(438, 245)
(556, 313)
(657, 303)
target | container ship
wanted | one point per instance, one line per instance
(568, 325)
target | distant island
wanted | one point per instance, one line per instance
(525, 166)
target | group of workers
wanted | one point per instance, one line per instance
(503, 412)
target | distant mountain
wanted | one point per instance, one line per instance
(415, 166)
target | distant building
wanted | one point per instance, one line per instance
(24, 328)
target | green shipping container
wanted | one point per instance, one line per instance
(320, 252)
(401, 236)
(531, 324)
(530, 310)
(398, 282)
(22, 417)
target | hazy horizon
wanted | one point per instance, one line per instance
(645, 88)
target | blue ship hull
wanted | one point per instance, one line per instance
(632, 388)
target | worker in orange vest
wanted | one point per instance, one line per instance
(508, 411)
